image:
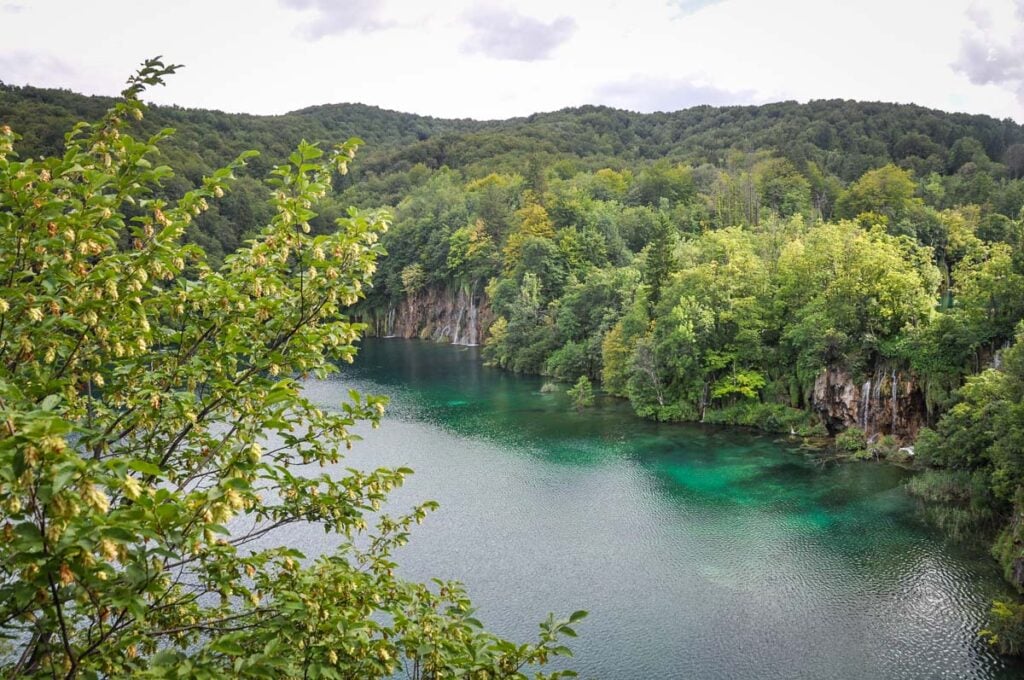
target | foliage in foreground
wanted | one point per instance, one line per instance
(152, 426)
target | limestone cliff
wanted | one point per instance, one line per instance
(890, 401)
(459, 316)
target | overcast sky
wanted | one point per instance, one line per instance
(499, 59)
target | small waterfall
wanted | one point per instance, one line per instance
(460, 313)
(472, 338)
(889, 401)
(389, 322)
(865, 396)
(876, 396)
(894, 399)
(466, 316)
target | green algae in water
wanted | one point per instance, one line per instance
(700, 552)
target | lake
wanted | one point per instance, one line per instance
(699, 552)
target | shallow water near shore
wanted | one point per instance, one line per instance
(699, 552)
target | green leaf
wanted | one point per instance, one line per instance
(64, 474)
(145, 467)
(118, 534)
(50, 402)
(228, 647)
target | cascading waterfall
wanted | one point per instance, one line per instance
(872, 412)
(455, 315)
(997, 358)
(889, 401)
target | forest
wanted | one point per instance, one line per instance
(833, 268)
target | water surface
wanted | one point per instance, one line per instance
(700, 553)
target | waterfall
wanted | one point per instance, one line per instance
(450, 315)
(876, 396)
(473, 338)
(460, 312)
(893, 398)
(465, 319)
(865, 396)
(889, 401)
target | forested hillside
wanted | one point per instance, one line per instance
(832, 267)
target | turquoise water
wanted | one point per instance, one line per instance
(700, 553)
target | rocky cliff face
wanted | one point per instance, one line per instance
(889, 402)
(454, 315)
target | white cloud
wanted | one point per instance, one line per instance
(506, 34)
(451, 58)
(24, 66)
(992, 50)
(336, 17)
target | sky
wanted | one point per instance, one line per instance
(495, 59)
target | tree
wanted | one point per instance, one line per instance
(845, 295)
(886, 191)
(989, 292)
(532, 222)
(471, 253)
(711, 322)
(1014, 160)
(582, 393)
(966, 150)
(413, 278)
(139, 390)
(658, 258)
(782, 188)
(661, 181)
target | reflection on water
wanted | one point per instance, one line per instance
(700, 553)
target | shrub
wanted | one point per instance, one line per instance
(769, 417)
(582, 393)
(853, 442)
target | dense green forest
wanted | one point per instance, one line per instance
(711, 264)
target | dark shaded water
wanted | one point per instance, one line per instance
(699, 553)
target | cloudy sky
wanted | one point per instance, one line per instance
(496, 59)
